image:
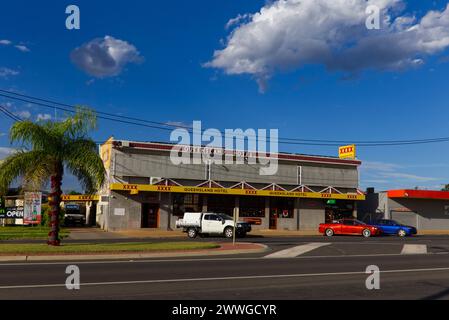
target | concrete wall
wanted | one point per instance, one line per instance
(426, 214)
(311, 214)
(141, 166)
(133, 211)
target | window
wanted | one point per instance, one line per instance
(446, 210)
(212, 217)
(221, 204)
(349, 222)
(252, 207)
(282, 208)
(186, 203)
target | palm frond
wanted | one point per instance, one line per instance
(31, 135)
(78, 125)
(82, 159)
(39, 176)
(20, 164)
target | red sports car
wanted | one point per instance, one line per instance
(349, 227)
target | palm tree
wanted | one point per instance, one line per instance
(47, 148)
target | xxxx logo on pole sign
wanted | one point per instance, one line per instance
(347, 152)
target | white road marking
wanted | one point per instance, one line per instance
(296, 251)
(414, 249)
(303, 275)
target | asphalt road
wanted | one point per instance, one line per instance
(335, 270)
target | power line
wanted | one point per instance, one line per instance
(169, 127)
(98, 112)
(9, 114)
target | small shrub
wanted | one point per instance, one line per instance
(46, 210)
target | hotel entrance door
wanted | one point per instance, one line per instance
(150, 215)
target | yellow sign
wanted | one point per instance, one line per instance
(106, 153)
(347, 152)
(80, 198)
(136, 188)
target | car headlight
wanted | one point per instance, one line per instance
(239, 225)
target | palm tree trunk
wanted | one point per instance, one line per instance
(55, 205)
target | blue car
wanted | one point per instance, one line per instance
(393, 227)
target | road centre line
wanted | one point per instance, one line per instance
(304, 275)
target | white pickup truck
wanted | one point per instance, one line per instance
(204, 224)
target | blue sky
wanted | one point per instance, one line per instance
(164, 76)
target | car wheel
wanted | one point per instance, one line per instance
(229, 233)
(192, 233)
(366, 233)
(329, 232)
(402, 233)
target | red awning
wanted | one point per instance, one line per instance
(419, 194)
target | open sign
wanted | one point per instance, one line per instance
(12, 213)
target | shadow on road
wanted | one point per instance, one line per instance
(437, 296)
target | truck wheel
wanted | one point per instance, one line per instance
(329, 232)
(192, 233)
(229, 232)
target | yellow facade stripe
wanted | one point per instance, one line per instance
(136, 188)
(75, 198)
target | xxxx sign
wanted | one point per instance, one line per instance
(347, 152)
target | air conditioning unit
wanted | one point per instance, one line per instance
(154, 180)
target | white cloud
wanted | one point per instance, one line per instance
(19, 47)
(237, 20)
(379, 166)
(22, 48)
(406, 176)
(105, 57)
(4, 152)
(23, 114)
(288, 34)
(386, 175)
(179, 124)
(5, 73)
(43, 117)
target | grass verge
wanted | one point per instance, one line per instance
(30, 249)
(18, 233)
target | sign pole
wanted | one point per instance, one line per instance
(235, 226)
